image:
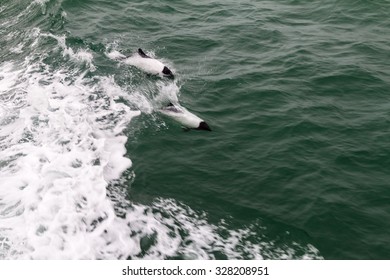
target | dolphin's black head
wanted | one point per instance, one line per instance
(204, 126)
(168, 73)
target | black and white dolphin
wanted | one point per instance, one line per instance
(148, 64)
(184, 117)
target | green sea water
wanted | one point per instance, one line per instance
(296, 165)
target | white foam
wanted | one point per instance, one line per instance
(11, 21)
(62, 150)
(166, 93)
(64, 15)
(8, 78)
(81, 55)
(174, 230)
(41, 2)
(114, 54)
(18, 48)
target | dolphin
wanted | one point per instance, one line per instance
(148, 64)
(184, 117)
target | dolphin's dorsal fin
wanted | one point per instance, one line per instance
(172, 108)
(142, 54)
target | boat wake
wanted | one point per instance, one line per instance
(64, 174)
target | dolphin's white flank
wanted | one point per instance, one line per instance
(148, 64)
(184, 117)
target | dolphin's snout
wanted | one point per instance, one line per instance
(204, 126)
(168, 73)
